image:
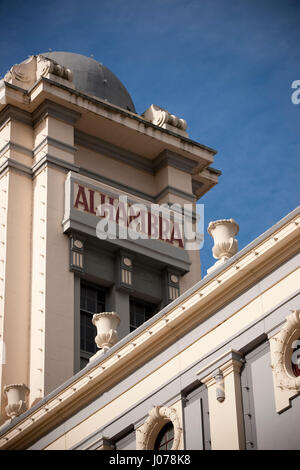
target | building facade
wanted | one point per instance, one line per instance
(176, 357)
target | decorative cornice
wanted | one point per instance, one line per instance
(51, 109)
(47, 108)
(110, 107)
(214, 171)
(196, 186)
(168, 158)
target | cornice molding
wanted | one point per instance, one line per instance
(168, 158)
(51, 109)
(47, 108)
(46, 84)
(214, 171)
(11, 112)
(110, 107)
(196, 186)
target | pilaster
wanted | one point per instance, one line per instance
(225, 405)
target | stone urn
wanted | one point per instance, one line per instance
(17, 399)
(223, 232)
(106, 324)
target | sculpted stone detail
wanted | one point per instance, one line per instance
(27, 73)
(223, 232)
(22, 74)
(282, 353)
(162, 118)
(158, 417)
(17, 399)
(45, 66)
(106, 324)
(225, 245)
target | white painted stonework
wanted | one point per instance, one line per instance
(225, 245)
(158, 417)
(27, 73)
(106, 324)
(163, 118)
(286, 385)
(16, 398)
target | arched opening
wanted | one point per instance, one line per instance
(165, 438)
(296, 358)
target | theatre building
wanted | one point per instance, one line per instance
(114, 343)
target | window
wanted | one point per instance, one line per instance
(296, 358)
(167, 420)
(165, 438)
(92, 300)
(140, 312)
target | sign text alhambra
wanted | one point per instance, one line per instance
(121, 219)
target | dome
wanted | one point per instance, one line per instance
(93, 78)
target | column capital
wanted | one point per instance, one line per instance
(230, 361)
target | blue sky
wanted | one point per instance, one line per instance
(226, 66)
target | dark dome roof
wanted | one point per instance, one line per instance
(93, 78)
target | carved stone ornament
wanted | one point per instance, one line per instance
(225, 246)
(106, 324)
(162, 118)
(223, 232)
(26, 74)
(282, 353)
(159, 416)
(45, 66)
(17, 399)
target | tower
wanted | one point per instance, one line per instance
(70, 138)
